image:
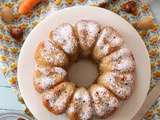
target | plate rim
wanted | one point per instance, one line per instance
(81, 7)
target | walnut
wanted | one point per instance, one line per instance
(7, 14)
(130, 7)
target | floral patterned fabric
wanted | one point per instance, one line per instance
(10, 48)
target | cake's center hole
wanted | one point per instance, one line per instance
(83, 73)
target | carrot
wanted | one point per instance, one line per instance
(27, 6)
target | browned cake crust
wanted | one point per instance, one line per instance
(104, 102)
(57, 99)
(48, 54)
(108, 41)
(47, 77)
(80, 107)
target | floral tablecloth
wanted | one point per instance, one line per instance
(10, 47)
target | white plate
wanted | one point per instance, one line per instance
(71, 15)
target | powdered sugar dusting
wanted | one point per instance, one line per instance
(59, 96)
(46, 82)
(81, 104)
(108, 40)
(91, 27)
(64, 36)
(125, 64)
(87, 33)
(113, 81)
(122, 60)
(53, 70)
(123, 52)
(60, 70)
(104, 102)
(51, 53)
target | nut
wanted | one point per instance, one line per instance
(130, 7)
(7, 14)
(16, 33)
(103, 5)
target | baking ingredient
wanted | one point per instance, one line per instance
(16, 33)
(130, 7)
(7, 14)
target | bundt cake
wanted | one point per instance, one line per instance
(116, 70)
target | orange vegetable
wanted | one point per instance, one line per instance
(27, 5)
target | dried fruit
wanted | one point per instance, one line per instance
(130, 7)
(16, 33)
(103, 5)
(7, 14)
(145, 23)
